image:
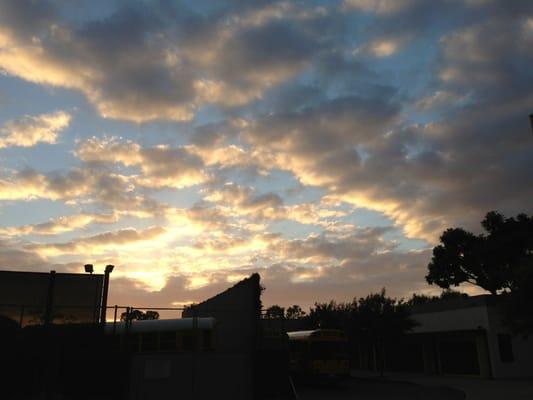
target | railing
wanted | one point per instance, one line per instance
(32, 314)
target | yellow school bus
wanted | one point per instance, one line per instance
(319, 352)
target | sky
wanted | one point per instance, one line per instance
(324, 144)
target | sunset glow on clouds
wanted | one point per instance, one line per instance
(323, 144)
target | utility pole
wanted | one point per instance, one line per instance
(107, 272)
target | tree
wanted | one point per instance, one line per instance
(499, 261)
(275, 312)
(446, 294)
(331, 315)
(517, 305)
(139, 315)
(149, 314)
(295, 312)
(380, 320)
(373, 321)
(493, 261)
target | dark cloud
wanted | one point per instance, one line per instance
(12, 258)
(158, 62)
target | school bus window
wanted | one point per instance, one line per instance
(188, 342)
(149, 341)
(131, 342)
(167, 341)
(207, 340)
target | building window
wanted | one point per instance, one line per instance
(505, 344)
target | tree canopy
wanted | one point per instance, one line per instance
(376, 320)
(275, 312)
(139, 315)
(446, 294)
(496, 260)
(500, 260)
(294, 312)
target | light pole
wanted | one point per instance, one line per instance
(107, 272)
(531, 121)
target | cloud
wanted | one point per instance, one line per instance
(287, 283)
(111, 192)
(360, 243)
(29, 184)
(440, 99)
(12, 258)
(145, 62)
(30, 130)
(60, 225)
(97, 243)
(379, 6)
(161, 165)
(290, 132)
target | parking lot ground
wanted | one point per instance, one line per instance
(473, 388)
(375, 389)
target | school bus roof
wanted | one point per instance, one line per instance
(329, 334)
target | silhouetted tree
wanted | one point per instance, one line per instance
(295, 312)
(494, 261)
(380, 320)
(446, 294)
(499, 261)
(517, 305)
(331, 315)
(139, 315)
(372, 321)
(274, 312)
(151, 315)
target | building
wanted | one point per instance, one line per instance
(228, 370)
(464, 336)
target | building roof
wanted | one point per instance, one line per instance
(484, 300)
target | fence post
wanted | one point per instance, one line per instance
(21, 319)
(48, 312)
(115, 320)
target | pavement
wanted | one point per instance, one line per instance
(472, 388)
(375, 389)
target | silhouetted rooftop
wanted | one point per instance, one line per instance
(485, 300)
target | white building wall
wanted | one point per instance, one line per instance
(452, 320)
(490, 320)
(522, 365)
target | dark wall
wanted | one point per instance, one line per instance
(75, 298)
(237, 313)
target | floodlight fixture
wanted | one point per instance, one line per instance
(109, 268)
(89, 268)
